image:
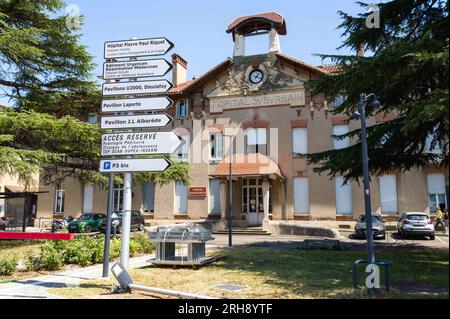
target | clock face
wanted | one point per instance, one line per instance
(256, 76)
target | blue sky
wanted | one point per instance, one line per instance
(197, 27)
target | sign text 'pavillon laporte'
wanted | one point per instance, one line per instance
(158, 103)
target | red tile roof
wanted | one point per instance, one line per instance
(191, 84)
(248, 165)
(268, 17)
(331, 68)
(295, 61)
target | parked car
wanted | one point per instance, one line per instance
(87, 223)
(2, 224)
(137, 221)
(415, 223)
(378, 227)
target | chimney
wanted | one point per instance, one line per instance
(179, 71)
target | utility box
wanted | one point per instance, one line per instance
(182, 245)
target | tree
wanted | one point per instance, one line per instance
(47, 74)
(408, 71)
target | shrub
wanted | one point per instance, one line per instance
(50, 258)
(8, 265)
(145, 246)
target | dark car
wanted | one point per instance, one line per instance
(378, 228)
(137, 221)
(87, 223)
(2, 224)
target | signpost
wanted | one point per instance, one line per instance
(137, 48)
(135, 121)
(134, 165)
(158, 103)
(133, 96)
(136, 69)
(139, 143)
(138, 87)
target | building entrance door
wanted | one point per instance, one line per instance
(252, 202)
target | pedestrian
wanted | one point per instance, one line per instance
(446, 219)
(439, 217)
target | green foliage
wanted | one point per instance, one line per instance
(83, 251)
(408, 71)
(8, 265)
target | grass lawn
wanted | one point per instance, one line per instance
(289, 273)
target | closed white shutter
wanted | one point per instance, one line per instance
(149, 197)
(340, 130)
(436, 183)
(181, 200)
(88, 198)
(343, 196)
(300, 140)
(301, 195)
(388, 194)
(214, 196)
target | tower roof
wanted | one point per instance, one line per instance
(258, 22)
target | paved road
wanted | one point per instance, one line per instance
(286, 241)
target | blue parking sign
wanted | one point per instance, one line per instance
(107, 165)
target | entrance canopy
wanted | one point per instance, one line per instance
(248, 165)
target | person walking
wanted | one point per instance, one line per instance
(439, 217)
(446, 219)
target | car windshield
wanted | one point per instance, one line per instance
(417, 217)
(375, 219)
(86, 217)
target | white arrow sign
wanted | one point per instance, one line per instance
(135, 121)
(140, 143)
(138, 87)
(142, 104)
(134, 165)
(137, 48)
(136, 69)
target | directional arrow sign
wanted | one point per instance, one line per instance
(136, 69)
(137, 48)
(135, 121)
(140, 143)
(142, 104)
(138, 87)
(134, 165)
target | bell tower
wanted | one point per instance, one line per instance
(271, 23)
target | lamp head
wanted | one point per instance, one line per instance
(376, 104)
(356, 115)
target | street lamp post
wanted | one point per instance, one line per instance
(365, 163)
(230, 201)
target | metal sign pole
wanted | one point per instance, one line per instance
(108, 225)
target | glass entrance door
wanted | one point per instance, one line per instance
(252, 201)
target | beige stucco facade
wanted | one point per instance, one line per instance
(225, 98)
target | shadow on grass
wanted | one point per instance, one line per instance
(328, 274)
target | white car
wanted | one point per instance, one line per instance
(415, 223)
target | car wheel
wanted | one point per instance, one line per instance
(88, 229)
(141, 226)
(432, 237)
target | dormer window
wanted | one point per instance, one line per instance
(182, 109)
